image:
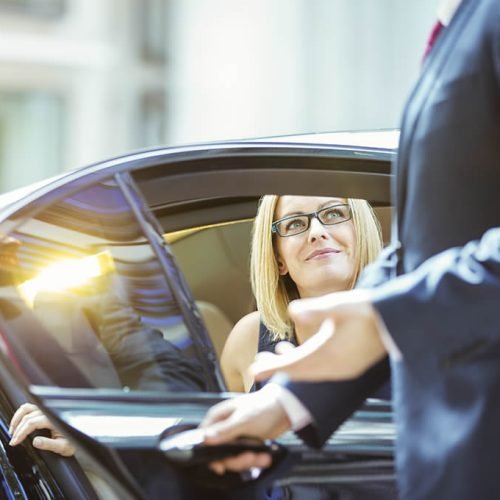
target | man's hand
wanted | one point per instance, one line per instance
(258, 414)
(348, 340)
(29, 418)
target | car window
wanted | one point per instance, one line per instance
(222, 289)
(86, 298)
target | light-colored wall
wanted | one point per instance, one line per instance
(364, 56)
(236, 68)
(263, 67)
(71, 87)
(87, 64)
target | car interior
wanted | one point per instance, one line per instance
(215, 262)
(208, 222)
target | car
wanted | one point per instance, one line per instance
(120, 283)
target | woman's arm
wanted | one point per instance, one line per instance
(239, 352)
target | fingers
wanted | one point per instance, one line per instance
(20, 413)
(33, 421)
(225, 431)
(258, 415)
(264, 356)
(27, 419)
(313, 310)
(297, 363)
(284, 347)
(221, 426)
(291, 364)
(218, 412)
(242, 462)
(219, 423)
(57, 445)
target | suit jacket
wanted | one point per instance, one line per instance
(443, 308)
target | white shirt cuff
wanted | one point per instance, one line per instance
(297, 413)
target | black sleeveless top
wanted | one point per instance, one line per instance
(267, 344)
(266, 341)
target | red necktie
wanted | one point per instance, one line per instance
(432, 38)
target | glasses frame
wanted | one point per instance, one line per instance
(310, 216)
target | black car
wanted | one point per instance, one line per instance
(120, 283)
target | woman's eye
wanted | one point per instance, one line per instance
(333, 213)
(294, 224)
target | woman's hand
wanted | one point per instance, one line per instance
(29, 418)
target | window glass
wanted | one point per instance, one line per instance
(84, 295)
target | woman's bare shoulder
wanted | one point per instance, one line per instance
(246, 331)
(239, 352)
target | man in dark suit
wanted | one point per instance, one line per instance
(432, 301)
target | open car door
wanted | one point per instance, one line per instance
(100, 325)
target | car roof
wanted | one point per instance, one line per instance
(377, 139)
(386, 139)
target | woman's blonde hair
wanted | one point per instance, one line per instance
(274, 292)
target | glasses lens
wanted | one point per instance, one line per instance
(294, 225)
(335, 214)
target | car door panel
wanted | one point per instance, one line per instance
(117, 213)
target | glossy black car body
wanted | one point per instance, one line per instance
(64, 345)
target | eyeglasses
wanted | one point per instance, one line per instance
(297, 224)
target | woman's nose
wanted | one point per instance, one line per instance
(316, 229)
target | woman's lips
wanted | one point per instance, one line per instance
(323, 253)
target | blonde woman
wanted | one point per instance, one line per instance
(302, 246)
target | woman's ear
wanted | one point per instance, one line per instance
(282, 268)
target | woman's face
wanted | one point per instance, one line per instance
(323, 258)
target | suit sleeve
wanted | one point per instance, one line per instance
(381, 270)
(332, 403)
(448, 309)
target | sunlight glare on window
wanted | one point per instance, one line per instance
(67, 275)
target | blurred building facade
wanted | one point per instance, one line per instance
(83, 80)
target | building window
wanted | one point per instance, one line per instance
(31, 137)
(43, 8)
(152, 30)
(151, 123)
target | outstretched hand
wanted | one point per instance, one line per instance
(28, 418)
(347, 342)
